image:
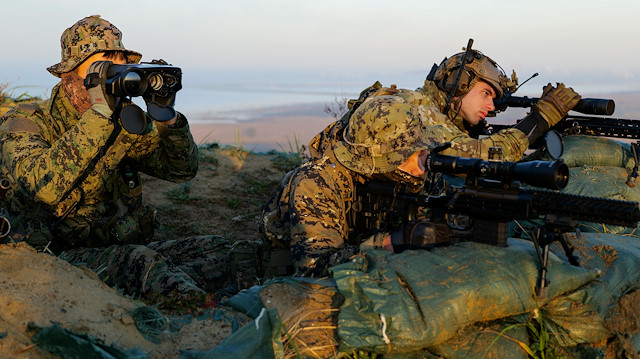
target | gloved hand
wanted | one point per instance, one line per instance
(161, 108)
(101, 102)
(556, 102)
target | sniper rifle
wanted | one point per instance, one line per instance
(491, 198)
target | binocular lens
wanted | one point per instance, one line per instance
(132, 82)
(156, 82)
(171, 81)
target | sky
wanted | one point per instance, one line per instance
(589, 45)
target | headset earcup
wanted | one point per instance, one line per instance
(448, 81)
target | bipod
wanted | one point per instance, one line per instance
(635, 151)
(552, 231)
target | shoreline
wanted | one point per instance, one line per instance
(280, 133)
(283, 128)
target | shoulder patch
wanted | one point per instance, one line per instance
(20, 124)
(28, 109)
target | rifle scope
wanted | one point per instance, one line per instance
(589, 106)
(546, 174)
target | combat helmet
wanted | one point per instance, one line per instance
(379, 138)
(87, 37)
(477, 67)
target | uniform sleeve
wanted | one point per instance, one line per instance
(512, 141)
(175, 156)
(47, 171)
(318, 225)
(440, 129)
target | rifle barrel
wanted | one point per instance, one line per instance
(497, 205)
(585, 208)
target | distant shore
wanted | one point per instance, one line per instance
(280, 129)
(283, 128)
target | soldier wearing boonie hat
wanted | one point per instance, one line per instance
(75, 183)
(307, 223)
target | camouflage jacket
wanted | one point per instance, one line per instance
(445, 127)
(310, 216)
(80, 171)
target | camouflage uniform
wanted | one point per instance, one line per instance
(75, 183)
(191, 264)
(68, 173)
(309, 216)
(450, 127)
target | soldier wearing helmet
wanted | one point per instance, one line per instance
(74, 172)
(459, 93)
(307, 224)
(386, 135)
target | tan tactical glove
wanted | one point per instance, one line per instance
(101, 102)
(556, 102)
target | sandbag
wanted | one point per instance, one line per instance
(604, 182)
(398, 303)
(581, 150)
(593, 313)
(499, 339)
(260, 338)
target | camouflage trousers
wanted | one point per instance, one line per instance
(193, 264)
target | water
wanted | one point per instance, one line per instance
(239, 95)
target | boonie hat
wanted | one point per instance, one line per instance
(87, 37)
(381, 135)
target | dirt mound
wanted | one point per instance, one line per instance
(225, 198)
(40, 288)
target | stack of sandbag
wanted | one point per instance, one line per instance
(600, 167)
(454, 302)
(468, 300)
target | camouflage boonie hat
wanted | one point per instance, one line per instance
(87, 37)
(380, 137)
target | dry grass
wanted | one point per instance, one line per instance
(308, 313)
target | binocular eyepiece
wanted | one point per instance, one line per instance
(545, 174)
